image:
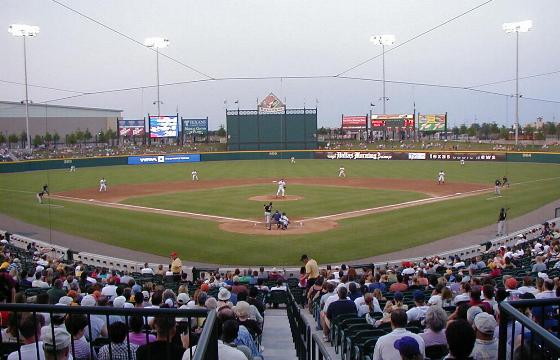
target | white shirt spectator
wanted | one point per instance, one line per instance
(281, 288)
(436, 300)
(147, 271)
(462, 298)
(547, 294)
(39, 284)
(110, 291)
(408, 271)
(385, 346)
(28, 352)
(330, 300)
(417, 313)
(363, 308)
(527, 289)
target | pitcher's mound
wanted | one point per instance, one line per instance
(274, 198)
(295, 228)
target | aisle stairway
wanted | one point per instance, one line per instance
(277, 338)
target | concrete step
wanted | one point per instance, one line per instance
(277, 337)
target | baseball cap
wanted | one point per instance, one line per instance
(119, 302)
(485, 323)
(53, 338)
(407, 346)
(398, 296)
(224, 294)
(472, 312)
(65, 300)
(88, 300)
(183, 298)
(173, 254)
(419, 295)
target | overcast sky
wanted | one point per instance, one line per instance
(254, 38)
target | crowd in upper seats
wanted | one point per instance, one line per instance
(32, 276)
(455, 301)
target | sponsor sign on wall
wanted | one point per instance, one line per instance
(354, 122)
(416, 156)
(432, 122)
(466, 156)
(398, 155)
(163, 159)
(195, 126)
(271, 105)
(131, 127)
(392, 121)
(163, 126)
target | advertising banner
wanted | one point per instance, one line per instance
(432, 122)
(361, 155)
(131, 128)
(163, 159)
(163, 126)
(354, 122)
(195, 126)
(392, 121)
(398, 155)
(271, 105)
(466, 156)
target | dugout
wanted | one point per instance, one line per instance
(271, 127)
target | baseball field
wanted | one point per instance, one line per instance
(380, 207)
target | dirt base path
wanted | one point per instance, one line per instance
(276, 199)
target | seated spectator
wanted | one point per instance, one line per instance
(400, 285)
(539, 266)
(254, 313)
(387, 347)
(237, 286)
(343, 305)
(136, 336)
(223, 298)
(243, 336)
(418, 312)
(163, 347)
(56, 343)
(460, 339)
(367, 304)
(241, 310)
(486, 346)
(119, 347)
(548, 290)
(435, 321)
(56, 292)
(227, 349)
(97, 322)
(146, 270)
(30, 330)
(528, 285)
(76, 325)
(279, 286)
(436, 298)
(396, 304)
(261, 286)
(38, 282)
(408, 348)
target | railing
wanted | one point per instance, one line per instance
(309, 345)
(206, 349)
(524, 337)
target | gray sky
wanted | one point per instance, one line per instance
(252, 38)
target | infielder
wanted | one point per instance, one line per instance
(102, 184)
(281, 188)
(441, 177)
(497, 185)
(194, 174)
(72, 168)
(505, 181)
(46, 189)
(341, 172)
(40, 196)
(267, 215)
(462, 162)
(292, 160)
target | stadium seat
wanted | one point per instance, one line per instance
(436, 352)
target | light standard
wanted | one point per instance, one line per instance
(383, 40)
(157, 43)
(24, 31)
(517, 27)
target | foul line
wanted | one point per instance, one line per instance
(153, 210)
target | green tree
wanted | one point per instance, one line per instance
(79, 135)
(37, 140)
(23, 138)
(71, 139)
(87, 135)
(48, 138)
(221, 131)
(3, 138)
(55, 138)
(474, 129)
(12, 139)
(323, 131)
(504, 133)
(463, 129)
(549, 128)
(101, 138)
(529, 130)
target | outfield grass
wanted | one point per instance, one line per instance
(203, 241)
(234, 201)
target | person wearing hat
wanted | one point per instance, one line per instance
(386, 347)
(241, 310)
(97, 322)
(176, 264)
(485, 346)
(311, 270)
(223, 298)
(408, 348)
(418, 312)
(56, 343)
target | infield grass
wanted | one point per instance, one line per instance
(203, 241)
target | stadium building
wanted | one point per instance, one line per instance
(55, 118)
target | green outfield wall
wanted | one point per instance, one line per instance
(358, 155)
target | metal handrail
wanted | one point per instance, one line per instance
(508, 311)
(207, 347)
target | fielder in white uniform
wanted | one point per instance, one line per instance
(462, 162)
(194, 174)
(102, 184)
(341, 172)
(292, 160)
(441, 177)
(281, 188)
(72, 168)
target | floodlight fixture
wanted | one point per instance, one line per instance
(383, 40)
(23, 30)
(519, 26)
(156, 42)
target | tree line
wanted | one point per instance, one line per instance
(48, 139)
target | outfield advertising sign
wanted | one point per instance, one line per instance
(466, 156)
(163, 159)
(432, 122)
(403, 155)
(354, 122)
(129, 128)
(195, 126)
(163, 126)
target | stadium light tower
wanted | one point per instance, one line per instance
(24, 31)
(383, 40)
(517, 27)
(157, 43)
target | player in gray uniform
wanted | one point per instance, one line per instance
(267, 215)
